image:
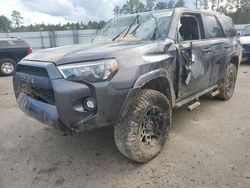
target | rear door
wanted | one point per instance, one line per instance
(232, 40)
(218, 46)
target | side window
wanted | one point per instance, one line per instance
(228, 26)
(190, 28)
(212, 28)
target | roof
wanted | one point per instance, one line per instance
(9, 39)
(179, 9)
(6, 43)
(183, 9)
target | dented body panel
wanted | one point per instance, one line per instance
(43, 93)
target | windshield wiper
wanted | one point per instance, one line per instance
(128, 29)
(119, 35)
(136, 28)
(136, 19)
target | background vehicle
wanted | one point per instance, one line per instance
(245, 41)
(135, 72)
(12, 50)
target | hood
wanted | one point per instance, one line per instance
(245, 40)
(88, 52)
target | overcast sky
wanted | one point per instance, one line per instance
(61, 11)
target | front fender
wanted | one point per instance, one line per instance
(142, 81)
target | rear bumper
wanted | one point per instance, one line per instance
(55, 101)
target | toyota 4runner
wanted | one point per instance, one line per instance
(134, 72)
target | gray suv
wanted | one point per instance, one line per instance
(134, 72)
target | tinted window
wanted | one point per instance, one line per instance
(228, 26)
(213, 29)
(189, 33)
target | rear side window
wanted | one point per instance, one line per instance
(212, 27)
(228, 26)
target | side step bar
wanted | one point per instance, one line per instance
(215, 93)
(195, 96)
(193, 106)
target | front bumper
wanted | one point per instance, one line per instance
(246, 56)
(43, 94)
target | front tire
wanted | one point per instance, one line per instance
(7, 66)
(143, 133)
(229, 82)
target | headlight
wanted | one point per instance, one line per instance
(95, 71)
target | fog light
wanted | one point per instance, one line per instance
(89, 104)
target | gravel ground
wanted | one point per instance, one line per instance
(208, 147)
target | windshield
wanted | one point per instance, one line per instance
(246, 31)
(140, 27)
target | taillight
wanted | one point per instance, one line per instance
(29, 51)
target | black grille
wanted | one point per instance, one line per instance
(36, 71)
(41, 94)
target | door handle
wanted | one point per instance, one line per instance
(207, 50)
(226, 46)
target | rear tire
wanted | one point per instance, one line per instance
(7, 66)
(229, 82)
(143, 133)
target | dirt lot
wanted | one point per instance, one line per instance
(208, 147)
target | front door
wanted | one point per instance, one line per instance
(194, 73)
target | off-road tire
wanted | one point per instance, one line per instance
(228, 83)
(7, 61)
(128, 133)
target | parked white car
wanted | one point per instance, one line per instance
(245, 41)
